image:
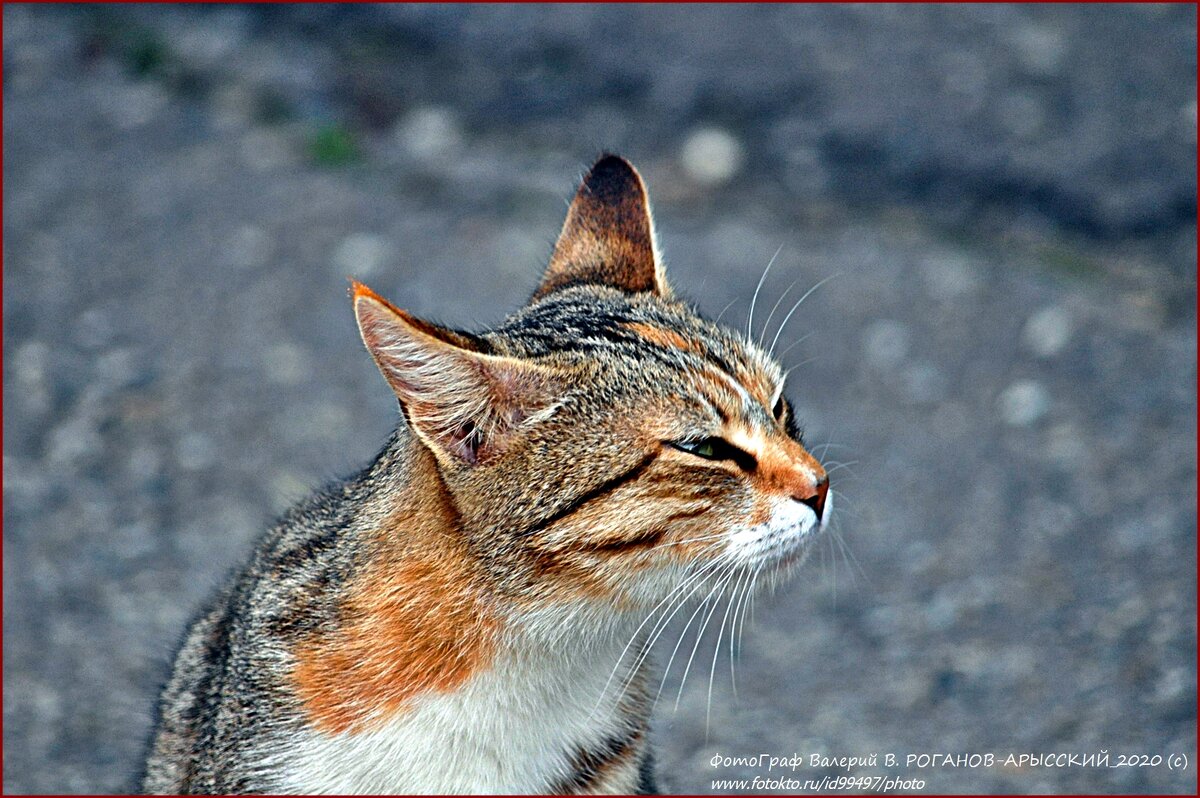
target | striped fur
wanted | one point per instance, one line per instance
(466, 614)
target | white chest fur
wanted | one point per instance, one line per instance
(510, 729)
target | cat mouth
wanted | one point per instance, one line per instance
(797, 553)
(797, 546)
(779, 543)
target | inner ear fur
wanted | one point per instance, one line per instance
(608, 237)
(464, 404)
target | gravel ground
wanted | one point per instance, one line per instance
(1004, 358)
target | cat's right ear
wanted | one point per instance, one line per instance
(608, 237)
(465, 405)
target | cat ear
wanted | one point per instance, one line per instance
(465, 405)
(608, 238)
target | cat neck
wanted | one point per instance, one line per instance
(580, 653)
(537, 720)
(514, 692)
(434, 608)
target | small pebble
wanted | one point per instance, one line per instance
(430, 133)
(951, 420)
(30, 363)
(1047, 331)
(1045, 518)
(1022, 114)
(1173, 684)
(233, 106)
(250, 247)
(73, 441)
(804, 171)
(1040, 50)
(144, 462)
(1023, 403)
(885, 343)
(942, 612)
(712, 157)
(924, 383)
(965, 77)
(361, 255)
(949, 276)
(264, 150)
(322, 421)
(286, 364)
(94, 329)
(46, 254)
(195, 452)
(207, 43)
(116, 368)
(519, 252)
(133, 105)
(1066, 445)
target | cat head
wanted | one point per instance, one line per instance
(605, 440)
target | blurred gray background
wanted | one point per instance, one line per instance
(1005, 356)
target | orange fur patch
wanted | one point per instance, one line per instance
(783, 465)
(359, 290)
(414, 622)
(660, 336)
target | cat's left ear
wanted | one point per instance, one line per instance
(465, 405)
(608, 237)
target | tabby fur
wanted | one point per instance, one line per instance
(463, 615)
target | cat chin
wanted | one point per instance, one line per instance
(779, 543)
(775, 548)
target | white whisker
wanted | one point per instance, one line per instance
(653, 612)
(767, 324)
(804, 362)
(661, 626)
(733, 635)
(727, 307)
(845, 506)
(749, 607)
(754, 299)
(833, 569)
(786, 318)
(849, 554)
(834, 466)
(792, 346)
(682, 635)
(717, 649)
(712, 671)
(700, 636)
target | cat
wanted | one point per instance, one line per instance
(462, 615)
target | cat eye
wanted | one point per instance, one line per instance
(779, 409)
(717, 449)
(705, 448)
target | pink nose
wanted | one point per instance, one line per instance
(816, 498)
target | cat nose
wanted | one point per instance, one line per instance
(815, 498)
